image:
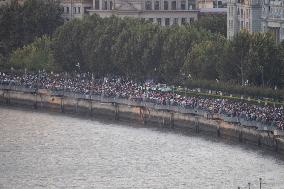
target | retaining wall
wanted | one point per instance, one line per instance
(144, 115)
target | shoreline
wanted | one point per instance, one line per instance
(143, 115)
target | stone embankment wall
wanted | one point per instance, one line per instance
(144, 115)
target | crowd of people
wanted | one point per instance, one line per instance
(148, 91)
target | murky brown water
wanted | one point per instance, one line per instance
(41, 150)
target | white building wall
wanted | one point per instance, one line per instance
(243, 15)
(137, 9)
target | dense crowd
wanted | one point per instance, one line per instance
(145, 91)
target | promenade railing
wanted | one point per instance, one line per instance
(148, 104)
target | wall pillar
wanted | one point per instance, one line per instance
(116, 112)
(218, 131)
(196, 123)
(62, 104)
(36, 99)
(172, 120)
(76, 106)
(240, 136)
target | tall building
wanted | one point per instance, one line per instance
(273, 18)
(163, 12)
(243, 15)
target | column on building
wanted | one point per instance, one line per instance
(101, 4)
(186, 5)
(281, 33)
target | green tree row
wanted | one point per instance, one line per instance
(129, 47)
(22, 24)
(140, 50)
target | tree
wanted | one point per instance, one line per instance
(213, 23)
(177, 43)
(263, 60)
(67, 46)
(239, 55)
(35, 56)
(20, 25)
(203, 60)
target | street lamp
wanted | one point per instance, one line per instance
(78, 66)
(262, 77)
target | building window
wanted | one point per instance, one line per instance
(110, 5)
(191, 4)
(67, 9)
(74, 10)
(86, 9)
(148, 5)
(157, 5)
(105, 5)
(79, 10)
(167, 21)
(183, 21)
(182, 5)
(159, 21)
(191, 20)
(166, 5)
(175, 21)
(151, 19)
(97, 4)
(174, 5)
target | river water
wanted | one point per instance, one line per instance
(45, 150)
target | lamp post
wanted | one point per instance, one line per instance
(262, 77)
(260, 182)
(64, 84)
(78, 66)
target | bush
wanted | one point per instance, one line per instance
(232, 88)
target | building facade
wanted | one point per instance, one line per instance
(75, 8)
(5, 2)
(243, 15)
(273, 18)
(162, 12)
(211, 4)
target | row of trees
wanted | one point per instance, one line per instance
(248, 59)
(139, 50)
(22, 24)
(128, 47)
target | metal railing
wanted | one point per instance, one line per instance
(176, 108)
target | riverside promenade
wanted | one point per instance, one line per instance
(196, 120)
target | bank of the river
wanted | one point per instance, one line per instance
(143, 114)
